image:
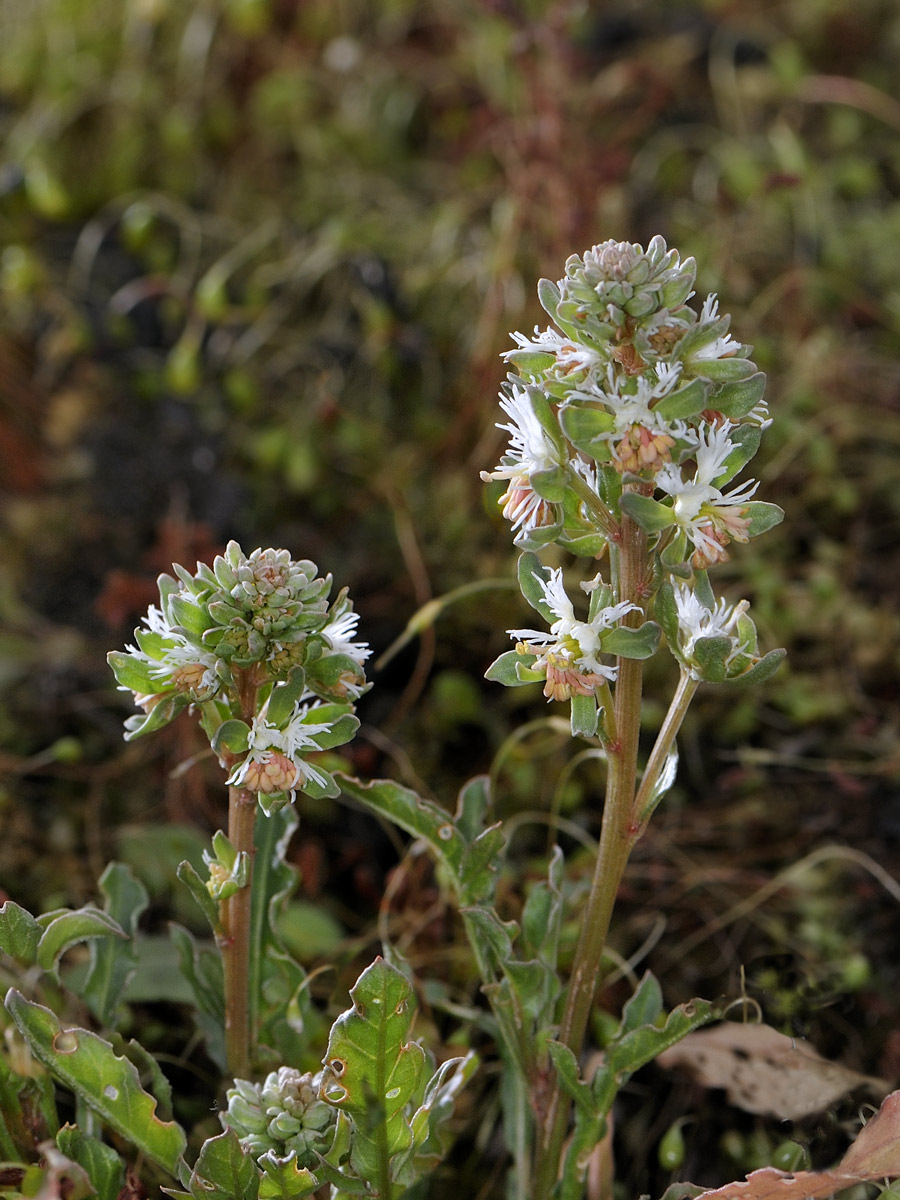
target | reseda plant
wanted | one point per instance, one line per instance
(629, 419)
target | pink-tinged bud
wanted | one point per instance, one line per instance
(522, 506)
(565, 681)
(189, 679)
(272, 772)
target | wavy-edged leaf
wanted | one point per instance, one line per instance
(68, 927)
(372, 1071)
(201, 967)
(89, 1066)
(419, 817)
(224, 1171)
(282, 1179)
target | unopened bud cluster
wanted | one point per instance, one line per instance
(257, 624)
(281, 1116)
(631, 405)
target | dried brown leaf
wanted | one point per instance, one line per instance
(874, 1155)
(764, 1071)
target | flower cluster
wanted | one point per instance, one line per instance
(251, 627)
(283, 1116)
(632, 404)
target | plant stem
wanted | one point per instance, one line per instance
(644, 802)
(236, 940)
(617, 837)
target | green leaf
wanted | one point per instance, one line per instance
(419, 817)
(641, 1045)
(724, 370)
(762, 670)
(189, 616)
(284, 696)
(703, 590)
(430, 1143)
(735, 400)
(232, 735)
(67, 928)
(493, 936)
(549, 296)
(112, 963)
(133, 673)
(202, 969)
(685, 403)
(551, 484)
(100, 1162)
(666, 612)
(20, 933)
(189, 876)
(530, 570)
(283, 1179)
(223, 1171)
(632, 643)
(473, 806)
(746, 440)
(372, 1072)
(165, 710)
(644, 1007)
(708, 657)
(543, 911)
(763, 517)
(87, 1065)
(583, 716)
(647, 512)
(478, 869)
(587, 428)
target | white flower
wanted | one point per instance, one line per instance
(530, 449)
(571, 358)
(274, 762)
(709, 516)
(340, 633)
(722, 347)
(696, 621)
(572, 647)
(180, 664)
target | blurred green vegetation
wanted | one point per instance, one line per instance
(258, 259)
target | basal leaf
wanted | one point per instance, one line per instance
(99, 1162)
(372, 1071)
(283, 1180)
(644, 1006)
(88, 1066)
(112, 962)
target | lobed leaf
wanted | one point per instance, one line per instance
(88, 1066)
(224, 1171)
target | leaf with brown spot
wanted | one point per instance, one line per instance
(764, 1071)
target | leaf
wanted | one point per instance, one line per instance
(223, 1171)
(430, 1142)
(233, 735)
(100, 1162)
(588, 428)
(549, 296)
(419, 817)
(746, 440)
(687, 402)
(763, 516)
(189, 876)
(132, 673)
(87, 1065)
(20, 933)
(283, 1180)
(652, 516)
(709, 655)
(735, 400)
(530, 571)
(112, 963)
(583, 716)
(493, 936)
(371, 1071)
(550, 484)
(473, 805)
(67, 928)
(762, 670)
(632, 643)
(202, 969)
(645, 1005)
(874, 1156)
(478, 869)
(764, 1071)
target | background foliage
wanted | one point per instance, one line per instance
(259, 259)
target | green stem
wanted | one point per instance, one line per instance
(605, 520)
(236, 917)
(617, 837)
(645, 802)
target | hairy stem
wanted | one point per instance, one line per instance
(617, 837)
